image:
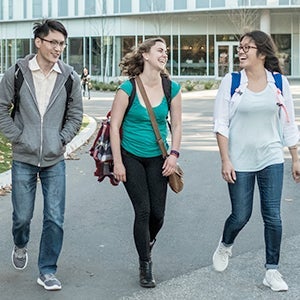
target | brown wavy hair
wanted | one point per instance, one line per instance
(265, 45)
(132, 64)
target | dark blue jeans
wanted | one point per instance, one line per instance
(269, 181)
(147, 190)
(24, 181)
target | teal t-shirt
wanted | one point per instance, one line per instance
(138, 136)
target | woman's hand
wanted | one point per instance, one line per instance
(228, 172)
(169, 165)
(120, 172)
(296, 171)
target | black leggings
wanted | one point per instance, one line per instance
(147, 189)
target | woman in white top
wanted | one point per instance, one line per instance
(252, 127)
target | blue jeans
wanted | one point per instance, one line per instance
(269, 181)
(24, 182)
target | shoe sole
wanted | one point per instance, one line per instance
(48, 288)
(12, 260)
(265, 283)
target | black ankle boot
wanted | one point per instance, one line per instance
(146, 276)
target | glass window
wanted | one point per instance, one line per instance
(10, 10)
(76, 7)
(116, 6)
(75, 48)
(243, 2)
(295, 2)
(1, 9)
(104, 7)
(62, 8)
(211, 55)
(159, 5)
(49, 8)
(25, 9)
(145, 5)
(152, 5)
(180, 4)
(23, 48)
(172, 65)
(193, 56)
(258, 2)
(107, 52)
(37, 8)
(284, 2)
(125, 6)
(283, 44)
(217, 3)
(90, 7)
(122, 6)
(202, 3)
(96, 56)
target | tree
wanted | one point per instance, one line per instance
(243, 19)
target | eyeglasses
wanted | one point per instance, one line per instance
(54, 44)
(245, 48)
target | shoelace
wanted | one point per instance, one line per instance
(277, 275)
(20, 252)
(224, 252)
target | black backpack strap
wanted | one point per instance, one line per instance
(18, 81)
(167, 86)
(132, 95)
(68, 87)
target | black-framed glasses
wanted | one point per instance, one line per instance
(245, 48)
(54, 44)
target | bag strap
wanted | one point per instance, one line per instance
(152, 117)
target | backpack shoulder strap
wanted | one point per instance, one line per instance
(18, 81)
(68, 87)
(132, 95)
(167, 86)
(278, 80)
(235, 81)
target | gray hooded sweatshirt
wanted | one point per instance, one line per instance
(36, 140)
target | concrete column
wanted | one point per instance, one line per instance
(265, 21)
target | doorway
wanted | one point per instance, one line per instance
(226, 58)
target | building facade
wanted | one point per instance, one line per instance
(202, 35)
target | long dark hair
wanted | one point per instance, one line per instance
(265, 46)
(132, 64)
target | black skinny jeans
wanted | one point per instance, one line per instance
(147, 190)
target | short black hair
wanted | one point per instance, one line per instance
(42, 28)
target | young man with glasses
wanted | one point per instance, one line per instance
(41, 127)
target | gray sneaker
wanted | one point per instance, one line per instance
(49, 282)
(19, 258)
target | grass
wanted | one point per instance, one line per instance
(5, 148)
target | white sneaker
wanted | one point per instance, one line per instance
(273, 279)
(221, 257)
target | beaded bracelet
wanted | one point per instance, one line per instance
(175, 153)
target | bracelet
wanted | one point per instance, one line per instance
(175, 153)
(293, 147)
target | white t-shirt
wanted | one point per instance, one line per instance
(254, 132)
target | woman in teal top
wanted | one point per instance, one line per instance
(138, 161)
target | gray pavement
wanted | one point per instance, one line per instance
(242, 279)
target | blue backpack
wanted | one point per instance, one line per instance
(236, 78)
